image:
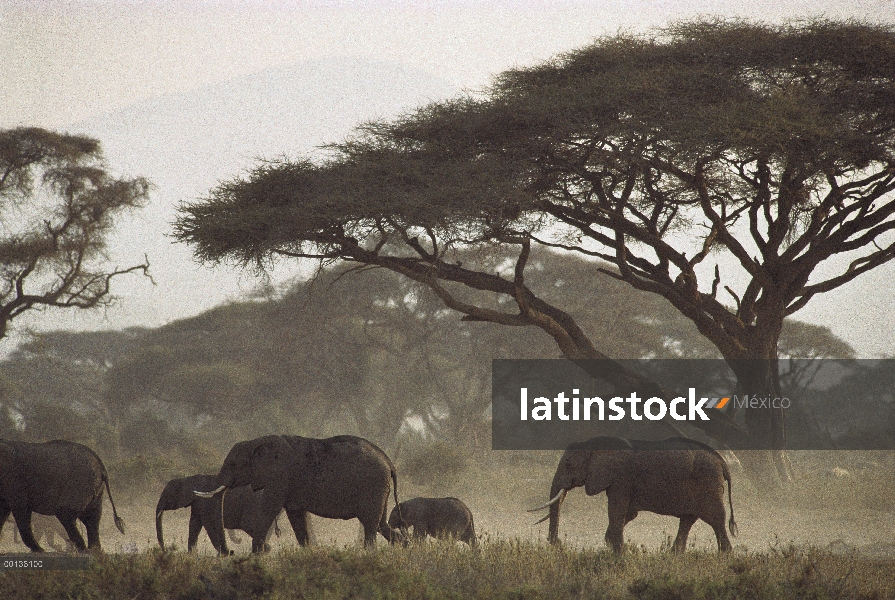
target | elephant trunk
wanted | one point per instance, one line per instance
(553, 532)
(167, 501)
(158, 527)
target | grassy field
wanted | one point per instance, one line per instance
(443, 570)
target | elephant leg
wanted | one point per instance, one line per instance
(370, 531)
(266, 513)
(23, 522)
(209, 517)
(259, 535)
(194, 530)
(419, 532)
(69, 523)
(267, 536)
(214, 527)
(618, 510)
(299, 521)
(717, 524)
(724, 544)
(468, 535)
(683, 530)
(276, 527)
(91, 519)
(393, 536)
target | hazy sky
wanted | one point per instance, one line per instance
(76, 65)
(66, 61)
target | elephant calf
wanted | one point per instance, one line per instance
(240, 511)
(441, 518)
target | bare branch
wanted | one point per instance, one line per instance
(715, 282)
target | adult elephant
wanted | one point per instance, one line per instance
(676, 476)
(59, 478)
(343, 477)
(240, 511)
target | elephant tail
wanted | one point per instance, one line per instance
(469, 534)
(224, 550)
(395, 482)
(119, 523)
(732, 524)
(158, 528)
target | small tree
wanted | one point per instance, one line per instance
(57, 205)
(771, 145)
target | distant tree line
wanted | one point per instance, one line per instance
(368, 352)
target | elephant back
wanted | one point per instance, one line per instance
(342, 477)
(59, 475)
(350, 450)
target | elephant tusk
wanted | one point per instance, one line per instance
(209, 494)
(555, 498)
(542, 520)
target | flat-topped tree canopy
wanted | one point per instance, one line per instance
(771, 144)
(307, 207)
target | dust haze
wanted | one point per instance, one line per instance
(374, 355)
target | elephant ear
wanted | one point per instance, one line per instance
(264, 458)
(268, 462)
(605, 468)
(184, 492)
(259, 452)
(265, 451)
(185, 489)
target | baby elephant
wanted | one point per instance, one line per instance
(441, 518)
(239, 512)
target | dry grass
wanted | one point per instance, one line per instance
(442, 570)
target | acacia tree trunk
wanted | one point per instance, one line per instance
(759, 378)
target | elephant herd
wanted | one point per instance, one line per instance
(347, 477)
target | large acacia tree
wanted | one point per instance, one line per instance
(58, 203)
(717, 164)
